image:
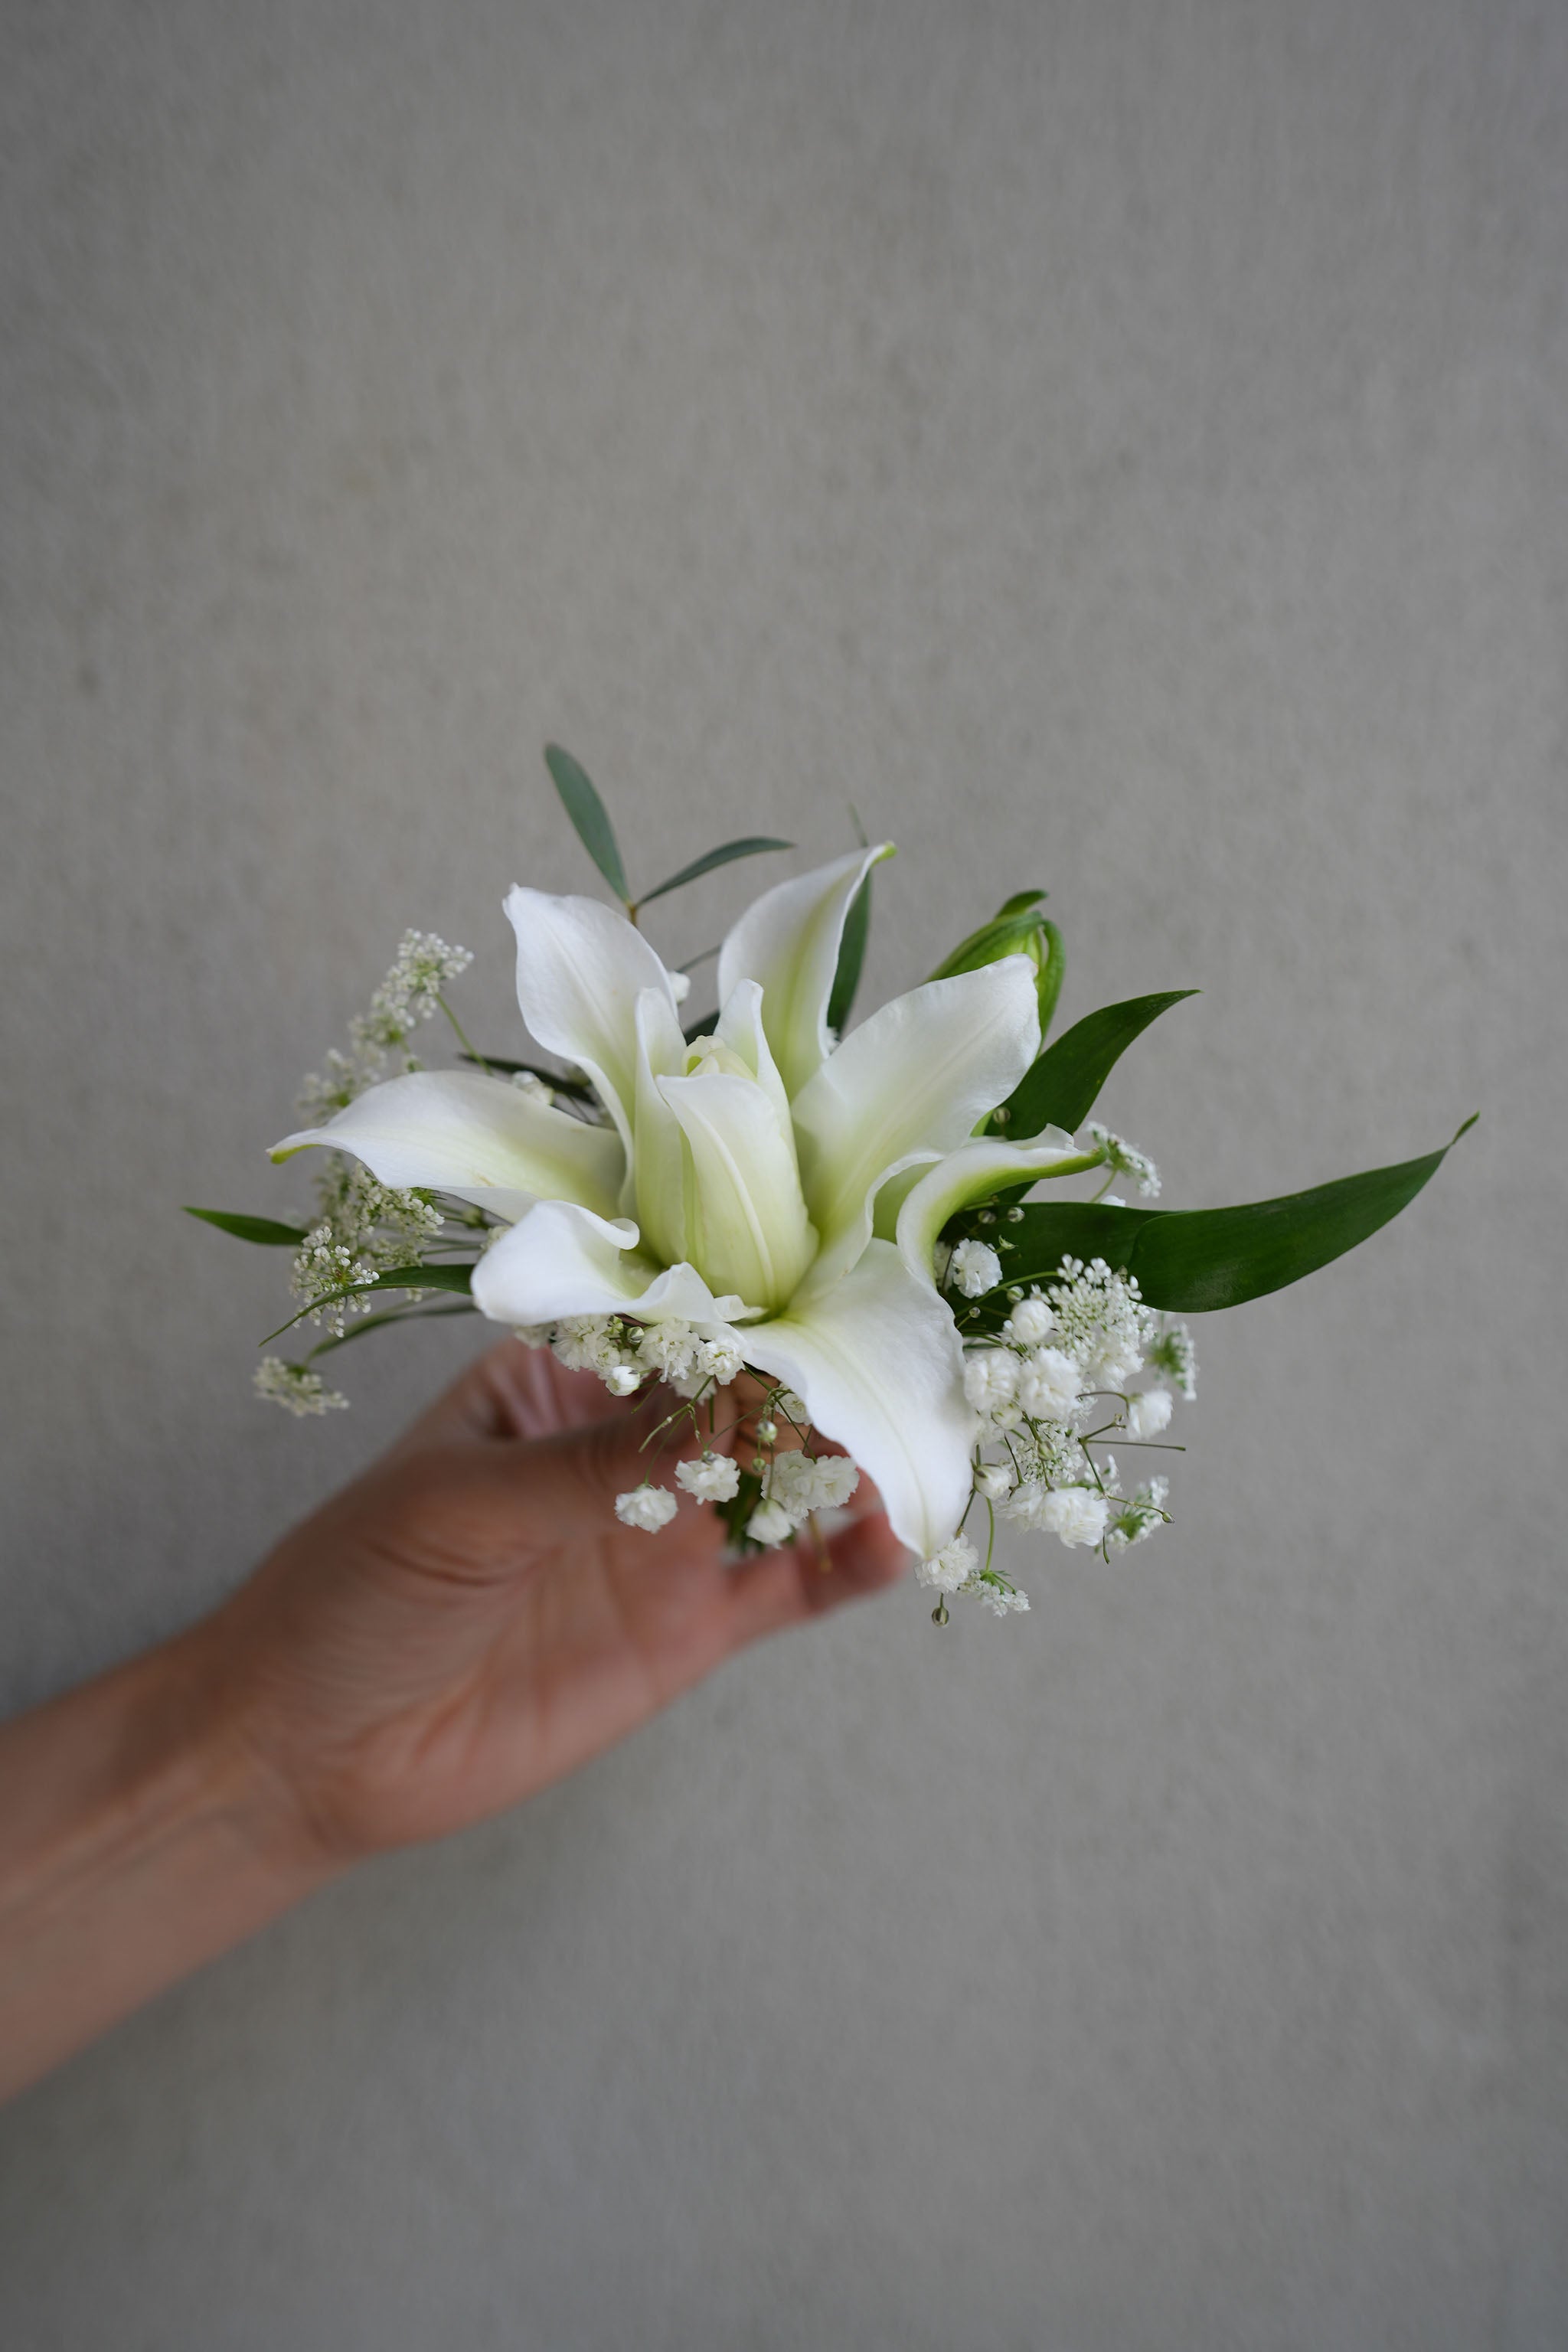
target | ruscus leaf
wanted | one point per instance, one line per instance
(397, 1278)
(751, 846)
(851, 957)
(551, 1078)
(588, 814)
(1063, 1085)
(380, 1323)
(267, 1231)
(1194, 1261)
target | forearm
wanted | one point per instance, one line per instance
(139, 1837)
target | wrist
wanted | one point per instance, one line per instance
(140, 1836)
(215, 1761)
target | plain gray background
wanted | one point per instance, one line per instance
(1123, 448)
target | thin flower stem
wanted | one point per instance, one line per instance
(463, 1040)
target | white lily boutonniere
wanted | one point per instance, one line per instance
(780, 1192)
(844, 1215)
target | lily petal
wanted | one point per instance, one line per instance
(475, 1136)
(970, 1173)
(909, 1084)
(789, 940)
(750, 1228)
(563, 1260)
(742, 1027)
(580, 969)
(878, 1362)
(661, 1192)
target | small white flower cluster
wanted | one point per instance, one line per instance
(696, 1362)
(1120, 1155)
(690, 1357)
(363, 1228)
(956, 1568)
(973, 1268)
(1085, 1336)
(410, 993)
(796, 1485)
(1137, 1515)
(1172, 1353)
(295, 1387)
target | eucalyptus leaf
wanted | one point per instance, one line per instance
(588, 814)
(1193, 1261)
(851, 957)
(265, 1231)
(751, 846)
(1062, 1088)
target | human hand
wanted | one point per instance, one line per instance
(469, 1621)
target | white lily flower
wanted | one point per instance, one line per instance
(765, 1176)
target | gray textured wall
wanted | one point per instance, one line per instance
(1122, 447)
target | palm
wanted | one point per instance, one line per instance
(469, 1621)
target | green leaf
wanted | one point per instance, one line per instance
(851, 957)
(588, 814)
(393, 1314)
(424, 1278)
(551, 1078)
(267, 1231)
(1062, 1088)
(1193, 1261)
(738, 1510)
(751, 846)
(397, 1278)
(1019, 901)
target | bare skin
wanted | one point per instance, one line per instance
(464, 1625)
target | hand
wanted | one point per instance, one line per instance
(469, 1621)
(464, 1623)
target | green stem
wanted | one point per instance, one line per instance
(463, 1040)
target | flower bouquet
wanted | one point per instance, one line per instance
(829, 1245)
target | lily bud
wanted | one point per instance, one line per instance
(1019, 929)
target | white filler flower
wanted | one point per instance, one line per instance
(765, 1183)
(713, 1478)
(648, 1507)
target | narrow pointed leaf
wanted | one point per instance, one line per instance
(851, 957)
(553, 1078)
(1021, 900)
(266, 1231)
(397, 1278)
(751, 846)
(588, 814)
(393, 1314)
(1193, 1261)
(1062, 1088)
